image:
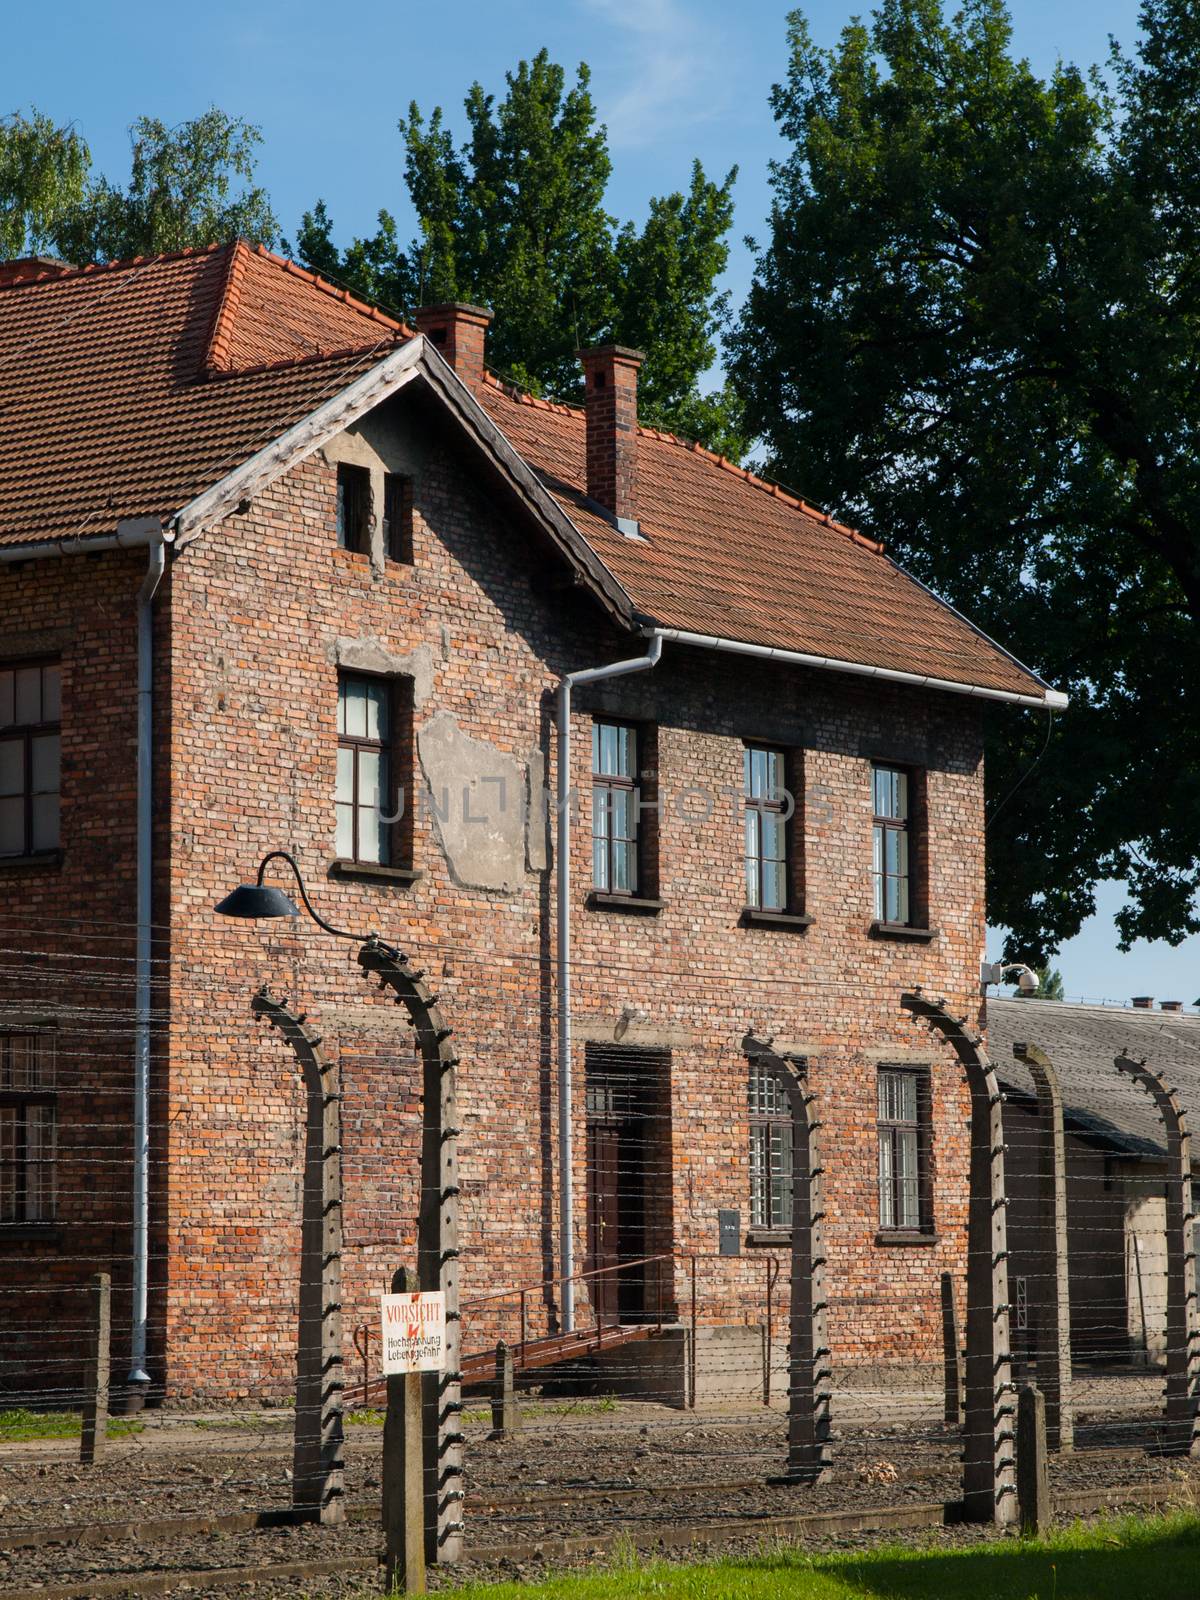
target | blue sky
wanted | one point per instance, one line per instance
(672, 79)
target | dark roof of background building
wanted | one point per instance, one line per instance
(1081, 1042)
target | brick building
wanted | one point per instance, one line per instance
(269, 558)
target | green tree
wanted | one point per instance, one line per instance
(975, 330)
(515, 219)
(1050, 986)
(190, 185)
(43, 169)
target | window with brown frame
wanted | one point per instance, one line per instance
(30, 758)
(770, 1149)
(372, 799)
(353, 508)
(768, 830)
(28, 1114)
(904, 1129)
(615, 809)
(891, 854)
(398, 517)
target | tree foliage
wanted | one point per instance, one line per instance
(43, 169)
(515, 219)
(975, 329)
(190, 185)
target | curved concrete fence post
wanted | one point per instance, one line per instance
(989, 1463)
(1183, 1354)
(437, 1242)
(317, 1470)
(1052, 1316)
(809, 1454)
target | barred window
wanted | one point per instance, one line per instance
(30, 739)
(770, 1148)
(27, 1127)
(904, 1126)
(614, 808)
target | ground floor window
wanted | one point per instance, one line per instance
(770, 1148)
(903, 1124)
(27, 1127)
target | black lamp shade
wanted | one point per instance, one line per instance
(258, 900)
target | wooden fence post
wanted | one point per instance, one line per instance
(1033, 1479)
(95, 1372)
(404, 1472)
(506, 1418)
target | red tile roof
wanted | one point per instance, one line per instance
(129, 389)
(730, 555)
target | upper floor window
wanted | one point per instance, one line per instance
(398, 517)
(770, 1148)
(903, 1133)
(614, 808)
(766, 804)
(27, 1127)
(365, 790)
(30, 714)
(891, 847)
(353, 507)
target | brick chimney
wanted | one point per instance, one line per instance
(1170, 1005)
(610, 374)
(26, 267)
(458, 333)
(1144, 1002)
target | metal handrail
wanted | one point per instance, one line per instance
(521, 1292)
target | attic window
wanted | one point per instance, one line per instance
(353, 507)
(398, 517)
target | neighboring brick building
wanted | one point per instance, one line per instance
(378, 559)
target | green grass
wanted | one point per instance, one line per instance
(1135, 1559)
(20, 1424)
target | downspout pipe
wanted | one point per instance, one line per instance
(566, 1224)
(133, 533)
(139, 1378)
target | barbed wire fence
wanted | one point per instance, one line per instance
(721, 1139)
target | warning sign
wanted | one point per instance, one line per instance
(414, 1332)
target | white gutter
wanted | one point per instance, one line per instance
(1052, 699)
(566, 1224)
(135, 533)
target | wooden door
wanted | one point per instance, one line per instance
(603, 1217)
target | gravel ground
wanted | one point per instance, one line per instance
(578, 1474)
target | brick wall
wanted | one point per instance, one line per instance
(260, 611)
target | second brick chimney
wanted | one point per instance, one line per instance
(610, 377)
(458, 333)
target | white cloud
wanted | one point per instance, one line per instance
(669, 65)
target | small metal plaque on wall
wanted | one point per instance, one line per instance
(729, 1232)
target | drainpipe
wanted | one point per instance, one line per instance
(566, 1224)
(139, 1378)
(132, 533)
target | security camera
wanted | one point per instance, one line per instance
(1027, 981)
